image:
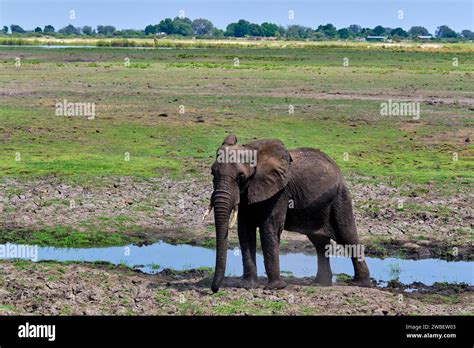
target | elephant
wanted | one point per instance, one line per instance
(275, 189)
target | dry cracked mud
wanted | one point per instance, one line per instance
(431, 223)
(49, 288)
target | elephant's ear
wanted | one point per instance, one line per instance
(231, 139)
(271, 174)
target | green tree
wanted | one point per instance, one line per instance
(106, 30)
(328, 30)
(69, 30)
(202, 26)
(48, 29)
(17, 29)
(281, 31)
(270, 29)
(399, 33)
(230, 29)
(446, 32)
(256, 30)
(239, 29)
(129, 33)
(379, 30)
(298, 32)
(182, 26)
(355, 29)
(166, 26)
(317, 35)
(418, 31)
(151, 29)
(467, 34)
(38, 30)
(344, 33)
(217, 32)
(87, 30)
(5, 29)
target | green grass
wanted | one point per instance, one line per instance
(205, 269)
(249, 101)
(62, 236)
(208, 243)
(7, 308)
(343, 278)
(23, 264)
(231, 307)
(53, 278)
(374, 149)
(259, 307)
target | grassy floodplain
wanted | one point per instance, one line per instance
(168, 109)
(139, 171)
(336, 108)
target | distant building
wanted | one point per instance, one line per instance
(376, 38)
(259, 38)
(424, 37)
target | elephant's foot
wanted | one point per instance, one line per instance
(323, 280)
(249, 283)
(276, 285)
(362, 282)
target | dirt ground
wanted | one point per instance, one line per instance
(91, 289)
(432, 223)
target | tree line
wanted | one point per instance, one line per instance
(182, 26)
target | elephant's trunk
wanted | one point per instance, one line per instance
(222, 201)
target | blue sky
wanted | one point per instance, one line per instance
(458, 14)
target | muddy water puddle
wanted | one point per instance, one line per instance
(156, 257)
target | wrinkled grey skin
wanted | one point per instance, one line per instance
(300, 190)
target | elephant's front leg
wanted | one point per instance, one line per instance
(270, 239)
(247, 238)
(270, 231)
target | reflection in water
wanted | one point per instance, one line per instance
(155, 257)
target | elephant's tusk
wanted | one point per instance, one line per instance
(208, 211)
(233, 219)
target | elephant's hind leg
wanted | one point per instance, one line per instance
(324, 275)
(342, 221)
